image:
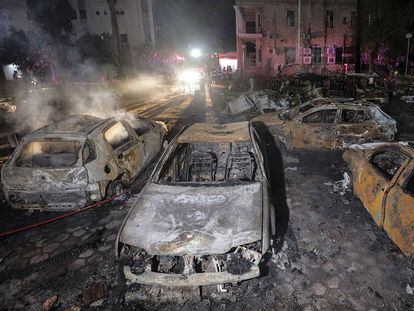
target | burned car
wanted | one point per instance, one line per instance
(204, 217)
(369, 87)
(79, 160)
(383, 179)
(328, 124)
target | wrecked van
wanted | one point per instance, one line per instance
(328, 124)
(383, 179)
(79, 160)
(204, 217)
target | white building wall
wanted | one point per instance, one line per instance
(98, 19)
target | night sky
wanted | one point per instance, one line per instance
(206, 24)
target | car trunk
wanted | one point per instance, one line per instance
(45, 179)
(198, 220)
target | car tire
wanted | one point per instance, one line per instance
(115, 189)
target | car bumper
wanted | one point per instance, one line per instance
(51, 201)
(196, 279)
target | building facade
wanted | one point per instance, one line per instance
(135, 20)
(290, 36)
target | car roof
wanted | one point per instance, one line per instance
(353, 104)
(216, 133)
(75, 124)
(405, 147)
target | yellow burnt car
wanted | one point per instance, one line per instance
(383, 179)
(328, 124)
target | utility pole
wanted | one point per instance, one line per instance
(408, 36)
(358, 37)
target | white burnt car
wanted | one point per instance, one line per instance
(205, 216)
(79, 160)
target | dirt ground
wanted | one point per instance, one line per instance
(332, 257)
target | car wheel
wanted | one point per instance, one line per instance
(115, 189)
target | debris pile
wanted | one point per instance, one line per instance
(263, 102)
(341, 186)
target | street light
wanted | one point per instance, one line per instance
(408, 36)
(196, 53)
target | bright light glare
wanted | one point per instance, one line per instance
(190, 76)
(196, 53)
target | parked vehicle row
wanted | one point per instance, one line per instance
(206, 214)
(325, 123)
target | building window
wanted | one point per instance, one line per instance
(353, 18)
(290, 55)
(344, 20)
(124, 38)
(339, 55)
(250, 27)
(251, 54)
(144, 6)
(105, 13)
(329, 19)
(290, 18)
(82, 14)
(74, 15)
(317, 55)
(259, 21)
(98, 13)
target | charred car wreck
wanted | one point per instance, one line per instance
(79, 160)
(328, 124)
(204, 217)
(383, 179)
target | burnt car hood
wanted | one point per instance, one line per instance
(44, 180)
(178, 220)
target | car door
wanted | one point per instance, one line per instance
(149, 136)
(355, 126)
(377, 174)
(399, 211)
(127, 150)
(268, 208)
(317, 129)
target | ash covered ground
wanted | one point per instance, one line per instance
(332, 257)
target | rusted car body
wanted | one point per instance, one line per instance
(369, 87)
(328, 124)
(79, 160)
(203, 218)
(383, 179)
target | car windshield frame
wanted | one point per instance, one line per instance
(161, 174)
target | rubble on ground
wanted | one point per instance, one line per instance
(263, 102)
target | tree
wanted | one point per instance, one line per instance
(54, 17)
(115, 33)
(99, 48)
(18, 49)
(385, 23)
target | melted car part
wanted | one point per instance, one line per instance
(210, 162)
